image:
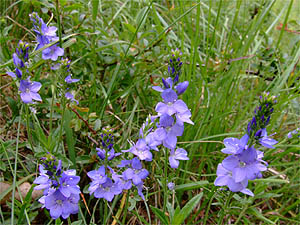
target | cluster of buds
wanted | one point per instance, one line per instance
(20, 59)
(262, 116)
(175, 65)
(107, 142)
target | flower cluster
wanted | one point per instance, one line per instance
(108, 182)
(61, 192)
(175, 65)
(20, 58)
(65, 67)
(244, 162)
(28, 89)
(46, 35)
(162, 129)
(257, 126)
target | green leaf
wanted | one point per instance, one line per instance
(191, 186)
(95, 4)
(186, 210)
(163, 218)
(260, 216)
(79, 222)
(69, 137)
(130, 27)
(25, 204)
(7, 29)
(141, 17)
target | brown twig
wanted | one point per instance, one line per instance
(85, 121)
(286, 29)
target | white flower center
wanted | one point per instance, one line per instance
(242, 164)
(59, 202)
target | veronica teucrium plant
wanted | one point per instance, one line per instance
(245, 162)
(60, 188)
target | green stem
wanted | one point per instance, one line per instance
(15, 169)
(105, 212)
(28, 127)
(52, 107)
(165, 181)
(58, 23)
(225, 208)
(62, 120)
(241, 214)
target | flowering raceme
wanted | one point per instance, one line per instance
(172, 114)
(244, 162)
(108, 182)
(61, 190)
(46, 35)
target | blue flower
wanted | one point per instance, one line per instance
(52, 52)
(98, 177)
(102, 186)
(136, 173)
(225, 178)
(110, 154)
(68, 183)
(69, 80)
(168, 131)
(43, 181)
(152, 142)
(59, 205)
(266, 141)
(168, 84)
(170, 105)
(244, 166)
(29, 91)
(44, 33)
(19, 59)
(124, 163)
(140, 190)
(175, 156)
(70, 97)
(181, 87)
(121, 182)
(234, 145)
(107, 190)
(171, 186)
(141, 150)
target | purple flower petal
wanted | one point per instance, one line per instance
(11, 74)
(181, 87)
